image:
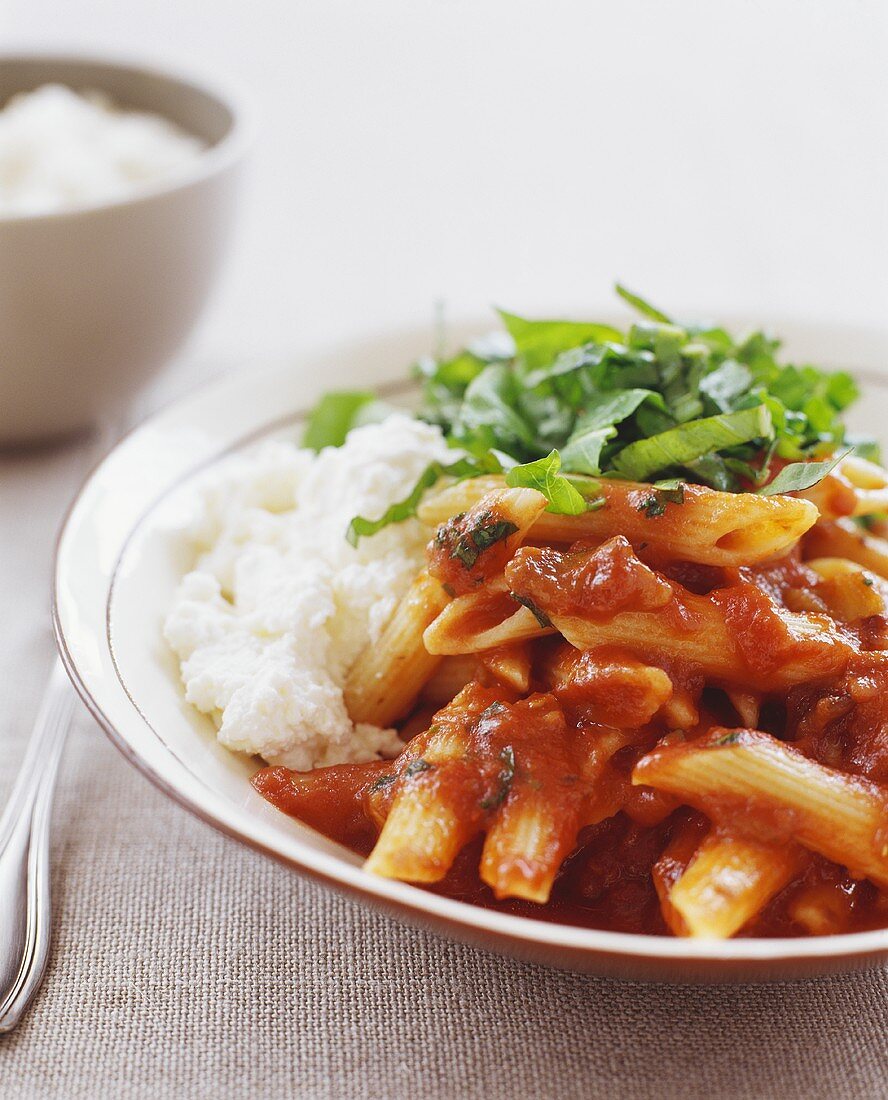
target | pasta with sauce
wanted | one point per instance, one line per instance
(662, 710)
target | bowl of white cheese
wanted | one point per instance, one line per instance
(117, 189)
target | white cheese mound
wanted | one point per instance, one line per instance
(59, 149)
(279, 605)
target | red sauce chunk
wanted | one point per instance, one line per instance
(595, 582)
(472, 547)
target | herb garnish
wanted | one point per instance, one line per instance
(415, 767)
(661, 494)
(503, 780)
(472, 544)
(559, 401)
(541, 617)
(382, 782)
(459, 470)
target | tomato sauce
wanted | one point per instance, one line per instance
(494, 743)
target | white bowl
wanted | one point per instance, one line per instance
(120, 557)
(95, 299)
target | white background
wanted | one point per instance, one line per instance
(721, 155)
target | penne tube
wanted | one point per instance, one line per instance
(709, 527)
(433, 814)
(728, 882)
(810, 650)
(680, 710)
(608, 788)
(748, 778)
(855, 487)
(747, 704)
(388, 676)
(537, 827)
(736, 635)
(449, 678)
(685, 838)
(848, 590)
(480, 621)
(843, 538)
(509, 664)
(527, 843)
(424, 832)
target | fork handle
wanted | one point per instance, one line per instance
(24, 855)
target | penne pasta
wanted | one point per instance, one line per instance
(561, 671)
(389, 674)
(760, 782)
(481, 621)
(843, 538)
(429, 819)
(509, 664)
(848, 590)
(786, 648)
(728, 882)
(855, 487)
(709, 527)
(449, 678)
(747, 704)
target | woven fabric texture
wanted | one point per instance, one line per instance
(186, 966)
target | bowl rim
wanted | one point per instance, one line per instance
(515, 933)
(233, 97)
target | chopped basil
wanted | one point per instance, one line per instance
(333, 418)
(555, 400)
(471, 545)
(382, 782)
(563, 496)
(654, 504)
(490, 533)
(415, 767)
(541, 617)
(405, 509)
(504, 780)
(688, 442)
(801, 475)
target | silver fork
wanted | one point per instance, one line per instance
(25, 915)
(25, 910)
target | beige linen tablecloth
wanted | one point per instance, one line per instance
(187, 966)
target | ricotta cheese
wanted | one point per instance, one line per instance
(279, 605)
(59, 149)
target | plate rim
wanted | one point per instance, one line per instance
(513, 934)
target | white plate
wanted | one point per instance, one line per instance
(119, 559)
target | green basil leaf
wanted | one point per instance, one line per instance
(681, 445)
(543, 475)
(642, 307)
(726, 383)
(490, 407)
(606, 409)
(582, 453)
(333, 418)
(800, 475)
(539, 343)
(461, 469)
